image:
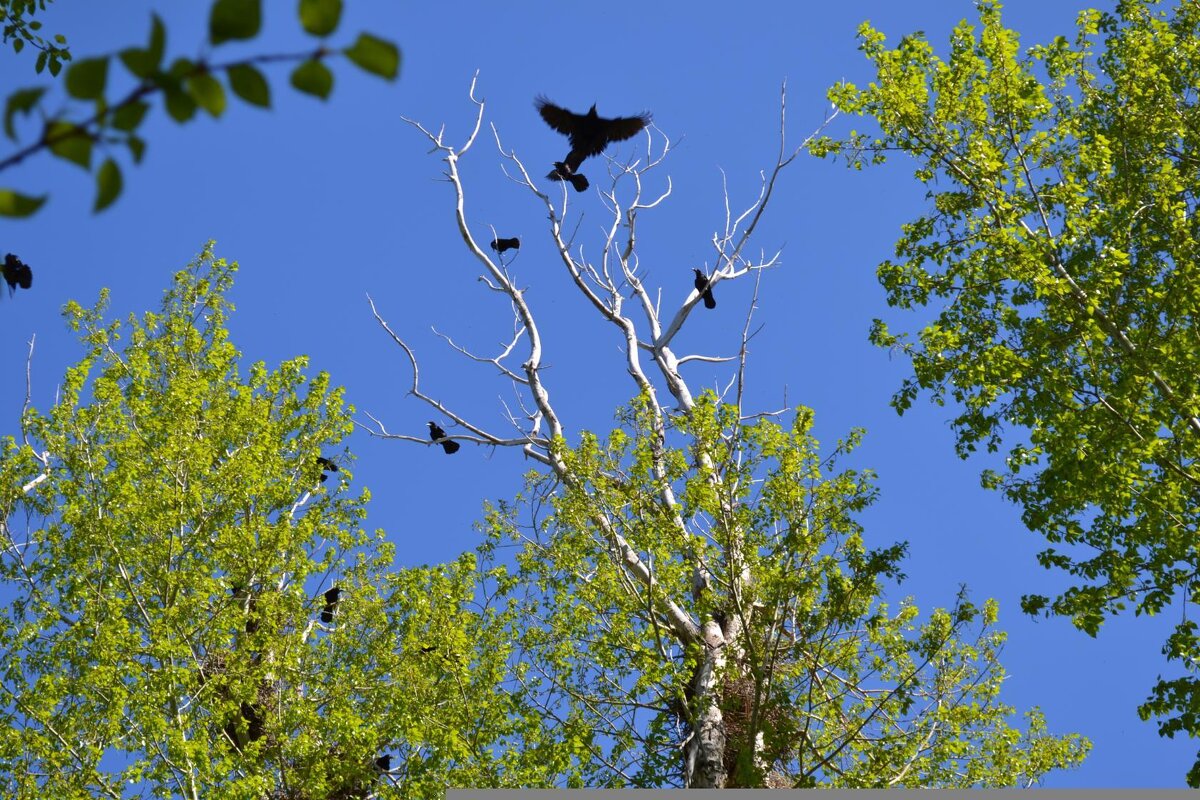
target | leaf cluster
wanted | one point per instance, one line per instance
(183, 85)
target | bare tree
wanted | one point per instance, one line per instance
(726, 627)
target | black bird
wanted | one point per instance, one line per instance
(428, 649)
(16, 273)
(562, 172)
(331, 601)
(438, 436)
(384, 763)
(701, 284)
(500, 245)
(588, 133)
(255, 720)
(327, 466)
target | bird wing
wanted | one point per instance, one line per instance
(621, 128)
(558, 118)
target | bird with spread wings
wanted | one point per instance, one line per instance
(588, 134)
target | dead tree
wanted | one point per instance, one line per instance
(647, 330)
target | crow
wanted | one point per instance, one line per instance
(438, 436)
(588, 134)
(16, 273)
(331, 601)
(500, 245)
(562, 172)
(702, 286)
(384, 763)
(327, 466)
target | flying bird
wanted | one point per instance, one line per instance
(500, 245)
(588, 134)
(438, 436)
(701, 284)
(16, 273)
(331, 601)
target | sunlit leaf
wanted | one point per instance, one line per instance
(313, 77)
(15, 204)
(375, 55)
(320, 17)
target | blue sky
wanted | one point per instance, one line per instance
(321, 203)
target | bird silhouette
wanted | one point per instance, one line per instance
(327, 466)
(701, 284)
(331, 601)
(384, 763)
(562, 172)
(438, 436)
(588, 134)
(500, 245)
(16, 273)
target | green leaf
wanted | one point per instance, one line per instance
(320, 17)
(18, 45)
(60, 39)
(158, 40)
(143, 63)
(70, 142)
(234, 19)
(313, 77)
(137, 148)
(137, 61)
(41, 61)
(15, 204)
(108, 185)
(376, 56)
(180, 105)
(208, 93)
(55, 65)
(250, 85)
(129, 116)
(21, 101)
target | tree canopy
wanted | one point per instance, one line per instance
(1059, 255)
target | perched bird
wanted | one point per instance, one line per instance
(331, 601)
(702, 287)
(500, 245)
(384, 763)
(562, 172)
(327, 466)
(588, 134)
(16, 273)
(438, 436)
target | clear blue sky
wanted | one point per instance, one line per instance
(321, 203)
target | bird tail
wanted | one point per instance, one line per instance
(579, 182)
(450, 446)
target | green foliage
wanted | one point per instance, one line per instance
(234, 19)
(845, 690)
(320, 17)
(313, 77)
(185, 86)
(166, 543)
(86, 79)
(15, 204)
(375, 55)
(1060, 255)
(108, 184)
(250, 85)
(21, 29)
